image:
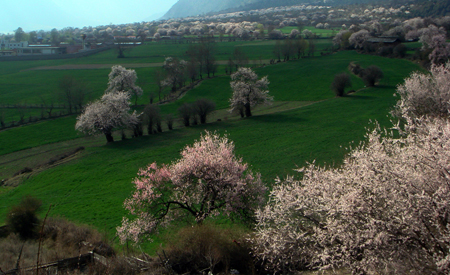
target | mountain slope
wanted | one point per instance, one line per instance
(185, 8)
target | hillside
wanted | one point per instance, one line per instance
(185, 8)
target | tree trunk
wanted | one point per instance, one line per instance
(109, 137)
(248, 111)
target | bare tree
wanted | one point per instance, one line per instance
(203, 107)
(151, 117)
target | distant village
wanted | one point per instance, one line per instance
(24, 48)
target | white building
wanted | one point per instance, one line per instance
(5, 44)
(39, 50)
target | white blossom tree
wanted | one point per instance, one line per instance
(208, 180)
(248, 90)
(441, 50)
(124, 80)
(425, 94)
(112, 111)
(358, 38)
(385, 210)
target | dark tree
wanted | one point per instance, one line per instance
(186, 112)
(340, 82)
(72, 92)
(371, 75)
(203, 107)
(151, 117)
(159, 76)
(240, 59)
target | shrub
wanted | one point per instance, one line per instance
(69, 239)
(400, 50)
(371, 75)
(169, 121)
(151, 117)
(340, 82)
(208, 247)
(22, 218)
(203, 107)
(185, 111)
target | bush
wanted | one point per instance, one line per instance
(169, 121)
(341, 81)
(151, 117)
(22, 218)
(70, 239)
(400, 50)
(208, 247)
(185, 111)
(203, 107)
(371, 75)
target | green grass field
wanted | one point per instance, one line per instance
(20, 85)
(305, 123)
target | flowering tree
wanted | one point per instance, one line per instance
(358, 38)
(427, 34)
(123, 80)
(425, 94)
(384, 210)
(441, 50)
(248, 90)
(106, 114)
(341, 38)
(208, 179)
(175, 71)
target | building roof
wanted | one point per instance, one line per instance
(383, 39)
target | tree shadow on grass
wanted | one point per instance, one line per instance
(359, 96)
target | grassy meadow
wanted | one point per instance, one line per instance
(305, 123)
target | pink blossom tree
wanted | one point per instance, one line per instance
(248, 90)
(208, 180)
(124, 80)
(384, 210)
(112, 111)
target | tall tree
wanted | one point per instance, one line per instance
(19, 35)
(122, 79)
(112, 111)
(248, 90)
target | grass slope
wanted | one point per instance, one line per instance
(92, 188)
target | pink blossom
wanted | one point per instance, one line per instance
(208, 180)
